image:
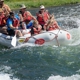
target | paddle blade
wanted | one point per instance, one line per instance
(13, 42)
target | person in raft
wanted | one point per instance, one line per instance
(42, 16)
(3, 28)
(36, 28)
(51, 24)
(6, 9)
(13, 25)
(26, 18)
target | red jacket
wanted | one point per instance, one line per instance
(42, 19)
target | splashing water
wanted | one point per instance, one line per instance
(73, 77)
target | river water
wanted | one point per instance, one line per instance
(46, 62)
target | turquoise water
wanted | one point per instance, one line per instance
(40, 63)
(46, 62)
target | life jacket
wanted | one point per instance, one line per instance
(2, 20)
(40, 18)
(26, 16)
(36, 30)
(15, 22)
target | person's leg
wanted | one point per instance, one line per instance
(4, 30)
(18, 33)
(11, 32)
(30, 24)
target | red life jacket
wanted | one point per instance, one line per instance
(40, 18)
(2, 20)
(26, 16)
(15, 22)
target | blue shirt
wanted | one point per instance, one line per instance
(9, 22)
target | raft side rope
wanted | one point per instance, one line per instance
(39, 41)
(56, 35)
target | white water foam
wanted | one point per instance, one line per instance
(58, 77)
(75, 32)
(72, 24)
(24, 45)
(4, 75)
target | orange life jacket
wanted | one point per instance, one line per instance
(40, 18)
(15, 22)
(26, 16)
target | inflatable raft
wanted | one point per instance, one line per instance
(55, 37)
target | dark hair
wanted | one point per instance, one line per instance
(11, 13)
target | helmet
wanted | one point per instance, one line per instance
(42, 7)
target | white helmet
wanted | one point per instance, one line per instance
(42, 7)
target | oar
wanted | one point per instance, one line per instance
(13, 42)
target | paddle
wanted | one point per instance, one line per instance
(13, 42)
